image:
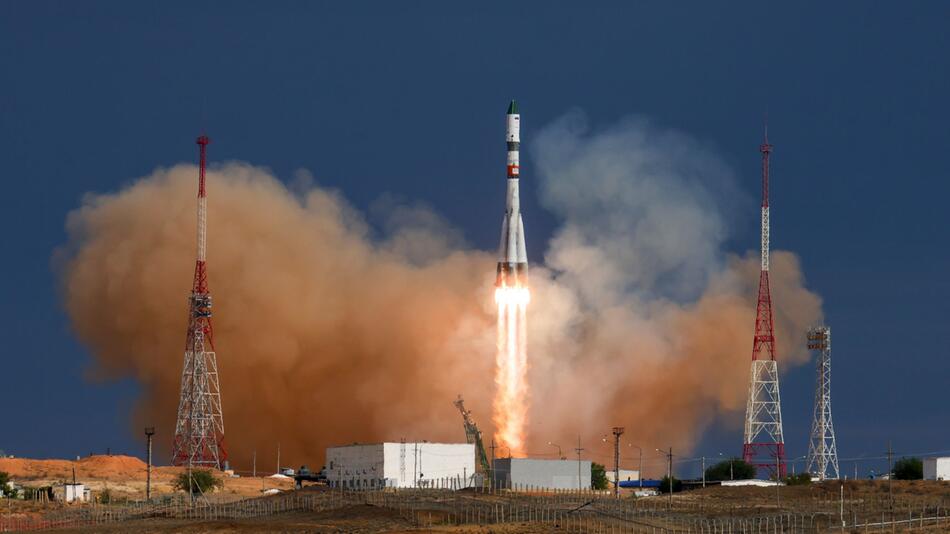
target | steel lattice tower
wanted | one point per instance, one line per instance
(199, 432)
(822, 450)
(764, 445)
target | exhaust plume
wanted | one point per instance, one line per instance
(643, 321)
(327, 333)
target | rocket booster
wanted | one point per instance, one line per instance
(512, 254)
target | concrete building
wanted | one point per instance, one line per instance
(401, 465)
(545, 474)
(937, 468)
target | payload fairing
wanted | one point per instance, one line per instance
(512, 254)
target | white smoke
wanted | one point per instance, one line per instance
(643, 319)
(643, 208)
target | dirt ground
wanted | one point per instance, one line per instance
(357, 520)
(124, 476)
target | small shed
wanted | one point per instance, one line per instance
(74, 492)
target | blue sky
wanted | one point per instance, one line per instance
(404, 98)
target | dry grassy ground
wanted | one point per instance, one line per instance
(860, 501)
(123, 476)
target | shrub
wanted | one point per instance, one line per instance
(665, 485)
(740, 470)
(6, 489)
(909, 469)
(801, 479)
(598, 476)
(200, 481)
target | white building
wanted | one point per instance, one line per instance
(937, 468)
(401, 465)
(542, 474)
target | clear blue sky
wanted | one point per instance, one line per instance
(405, 98)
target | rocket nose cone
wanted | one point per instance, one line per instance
(513, 108)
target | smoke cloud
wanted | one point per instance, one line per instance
(328, 332)
(642, 320)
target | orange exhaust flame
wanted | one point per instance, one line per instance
(510, 409)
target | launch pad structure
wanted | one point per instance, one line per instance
(473, 436)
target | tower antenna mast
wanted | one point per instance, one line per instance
(199, 430)
(822, 449)
(763, 443)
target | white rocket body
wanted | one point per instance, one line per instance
(512, 253)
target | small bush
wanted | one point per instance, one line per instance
(6, 489)
(665, 485)
(200, 481)
(801, 479)
(909, 469)
(732, 469)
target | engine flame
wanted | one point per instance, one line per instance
(512, 295)
(510, 409)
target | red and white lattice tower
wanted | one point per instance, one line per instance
(764, 445)
(199, 432)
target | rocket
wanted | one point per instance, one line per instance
(512, 255)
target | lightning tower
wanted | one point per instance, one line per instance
(199, 431)
(822, 450)
(764, 445)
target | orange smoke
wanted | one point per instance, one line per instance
(327, 333)
(323, 335)
(510, 407)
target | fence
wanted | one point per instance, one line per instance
(566, 511)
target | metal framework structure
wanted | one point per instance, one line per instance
(474, 436)
(822, 449)
(764, 444)
(199, 430)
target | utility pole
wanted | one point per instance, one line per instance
(704, 472)
(640, 466)
(254, 464)
(778, 481)
(890, 471)
(669, 473)
(618, 431)
(841, 505)
(278, 457)
(579, 450)
(493, 463)
(149, 432)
